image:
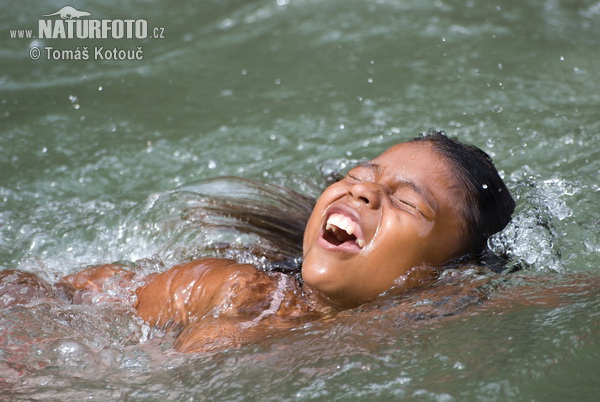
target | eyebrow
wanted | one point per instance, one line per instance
(427, 196)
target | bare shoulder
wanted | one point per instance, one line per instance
(190, 291)
(219, 303)
(211, 273)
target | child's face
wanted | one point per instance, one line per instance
(396, 212)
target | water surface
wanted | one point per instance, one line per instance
(287, 91)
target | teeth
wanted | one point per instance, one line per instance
(342, 222)
(350, 229)
(338, 222)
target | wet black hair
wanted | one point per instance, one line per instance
(272, 218)
(246, 220)
(488, 203)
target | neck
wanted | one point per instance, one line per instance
(319, 302)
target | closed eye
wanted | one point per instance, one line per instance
(361, 173)
(407, 203)
(353, 177)
(400, 202)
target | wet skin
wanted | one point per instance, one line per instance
(403, 211)
(390, 222)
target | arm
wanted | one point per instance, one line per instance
(17, 287)
(217, 303)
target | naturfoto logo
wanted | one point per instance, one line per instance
(70, 25)
(68, 12)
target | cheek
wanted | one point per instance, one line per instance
(424, 228)
(404, 242)
(452, 241)
(310, 234)
(313, 226)
(402, 227)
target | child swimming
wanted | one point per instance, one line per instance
(394, 222)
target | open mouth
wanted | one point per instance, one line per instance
(341, 231)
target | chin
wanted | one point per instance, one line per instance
(321, 279)
(328, 285)
(314, 277)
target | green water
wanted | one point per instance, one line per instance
(285, 91)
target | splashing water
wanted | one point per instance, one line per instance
(106, 161)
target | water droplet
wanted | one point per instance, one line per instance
(484, 186)
(277, 81)
(562, 58)
(226, 23)
(70, 353)
(370, 80)
(212, 164)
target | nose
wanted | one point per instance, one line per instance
(367, 193)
